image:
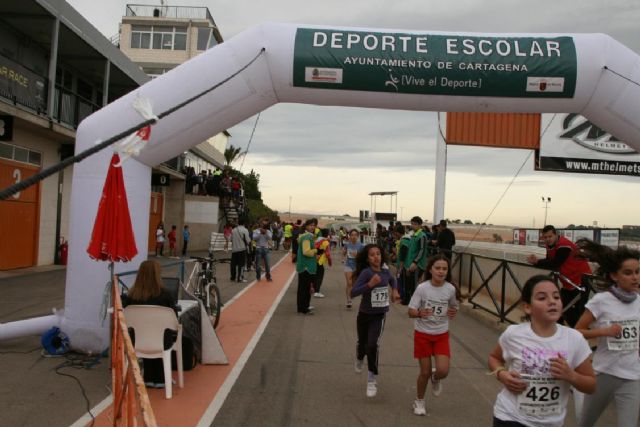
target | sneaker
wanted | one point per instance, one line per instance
(372, 388)
(349, 304)
(244, 280)
(311, 307)
(318, 295)
(359, 365)
(436, 385)
(419, 408)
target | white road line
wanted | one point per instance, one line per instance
(225, 389)
(96, 410)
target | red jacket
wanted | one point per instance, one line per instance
(573, 268)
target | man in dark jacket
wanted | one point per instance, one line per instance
(446, 239)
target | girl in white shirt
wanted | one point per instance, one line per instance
(537, 361)
(613, 317)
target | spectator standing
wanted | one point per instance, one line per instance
(445, 240)
(323, 245)
(295, 233)
(306, 266)
(416, 259)
(240, 241)
(172, 242)
(288, 234)
(160, 239)
(263, 238)
(561, 257)
(186, 236)
(227, 236)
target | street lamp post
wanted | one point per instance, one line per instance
(401, 213)
(546, 201)
(289, 208)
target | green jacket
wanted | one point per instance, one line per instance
(417, 250)
(306, 262)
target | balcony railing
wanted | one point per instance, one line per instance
(172, 12)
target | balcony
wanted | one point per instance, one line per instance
(169, 12)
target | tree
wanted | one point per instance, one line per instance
(251, 186)
(468, 221)
(231, 154)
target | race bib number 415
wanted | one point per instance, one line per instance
(542, 396)
(628, 338)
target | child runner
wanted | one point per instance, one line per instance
(432, 305)
(172, 242)
(349, 252)
(373, 280)
(537, 361)
(613, 317)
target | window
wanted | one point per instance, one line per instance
(19, 154)
(141, 36)
(206, 39)
(158, 37)
(203, 38)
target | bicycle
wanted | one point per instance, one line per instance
(205, 287)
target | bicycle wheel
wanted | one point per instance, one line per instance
(213, 304)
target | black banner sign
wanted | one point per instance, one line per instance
(21, 85)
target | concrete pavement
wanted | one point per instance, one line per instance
(300, 373)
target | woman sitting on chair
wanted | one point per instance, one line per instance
(149, 290)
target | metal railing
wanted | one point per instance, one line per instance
(173, 12)
(498, 281)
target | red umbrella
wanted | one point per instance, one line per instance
(112, 238)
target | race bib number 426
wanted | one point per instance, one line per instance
(628, 338)
(542, 396)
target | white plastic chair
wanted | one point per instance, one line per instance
(149, 323)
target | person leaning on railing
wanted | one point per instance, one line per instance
(561, 257)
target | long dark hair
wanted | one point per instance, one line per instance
(609, 260)
(362, 259)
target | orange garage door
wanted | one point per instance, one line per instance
(18, 218)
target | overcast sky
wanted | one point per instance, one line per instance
(328, 159)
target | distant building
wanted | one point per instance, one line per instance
(158, 39)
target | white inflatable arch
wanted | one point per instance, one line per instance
(590, 74)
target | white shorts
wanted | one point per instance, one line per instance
(348, 269)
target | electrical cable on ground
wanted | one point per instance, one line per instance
(80, 362)
(22, 185)
(20, 352)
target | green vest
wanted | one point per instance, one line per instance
(414, 246)
(307, 263)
